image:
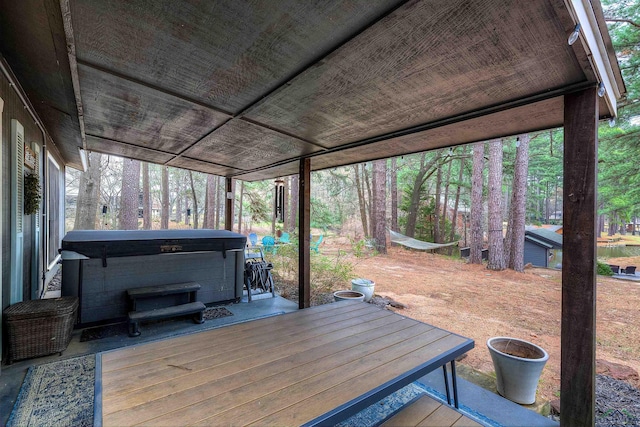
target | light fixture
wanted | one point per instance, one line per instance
(601, 89)
(83, 159)
(574, 34)
(517, 142)
(612, 122)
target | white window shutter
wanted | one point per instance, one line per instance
(17, 209)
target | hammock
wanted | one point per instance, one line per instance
(410, 242)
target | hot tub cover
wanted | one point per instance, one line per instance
(120, 243)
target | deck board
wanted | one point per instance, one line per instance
(286, 369)
(130, 378)
(427, 412)
(244, 371)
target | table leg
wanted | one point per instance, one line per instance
(455, 383)
(446, 383)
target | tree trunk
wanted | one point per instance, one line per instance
(454, 219)
(519, 205)
(438, 207)
(414, 205)
(445, 202)
(293, 209)
(164, 212)
(426, 170)
(240, 207)
(361, 201)
(495, 236)
(210, 203)
(285, 203)
(220, 197)
(129, 197)
(475, 246)
(368, 199)
(88, 194)
(394, 194)
(179, 210)
(146, 198)
(195, 201)
(379, 201)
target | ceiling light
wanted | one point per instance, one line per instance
(601, 89)
(574, 34)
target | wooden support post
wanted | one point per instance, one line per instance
(577, 390)
(304, 227)
(228, 204)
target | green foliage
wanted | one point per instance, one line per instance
(603, 269)
(328, 273)
(324, 214)
(32, 194)
(256, 202)
(363, 247)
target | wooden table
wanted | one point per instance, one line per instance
(314, 366)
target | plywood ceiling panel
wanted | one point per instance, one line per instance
(423, 63)
(247, 88)
(122, 110)
(225, 53)
(244, 145)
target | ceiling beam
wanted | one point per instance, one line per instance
(73, 65)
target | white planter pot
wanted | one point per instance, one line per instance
(518, 366)
(365, 286)
(348, 295)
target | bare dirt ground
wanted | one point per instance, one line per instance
(478, 303)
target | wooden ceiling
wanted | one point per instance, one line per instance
(247, 88)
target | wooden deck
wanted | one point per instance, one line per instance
(425, 412)
(315, 365)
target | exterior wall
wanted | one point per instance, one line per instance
(32, 258)
(535, 255)
(14, 109)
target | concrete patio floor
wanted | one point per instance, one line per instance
(483, 405)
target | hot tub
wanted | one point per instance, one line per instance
(98, 266)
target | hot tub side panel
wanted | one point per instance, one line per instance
(102, 290)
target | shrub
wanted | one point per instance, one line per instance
(604, 269)
(328, 273)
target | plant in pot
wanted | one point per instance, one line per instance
(518, 365)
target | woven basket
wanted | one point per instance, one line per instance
(40, 327)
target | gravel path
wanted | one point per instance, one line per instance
(617, 403)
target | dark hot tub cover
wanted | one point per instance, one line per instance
(121, 243)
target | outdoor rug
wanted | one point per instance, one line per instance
(105, 331)
(216, 313)
(56, 394)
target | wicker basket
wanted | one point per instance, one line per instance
(40, 327)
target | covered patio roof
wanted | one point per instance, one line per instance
(246, 89)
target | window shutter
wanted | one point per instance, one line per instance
(17, 209)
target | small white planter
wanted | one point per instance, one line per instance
(348, 295)
(518, 366)
(365, 286)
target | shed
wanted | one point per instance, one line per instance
(540, 245)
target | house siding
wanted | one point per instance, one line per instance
(535, 255)
(14, 109)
